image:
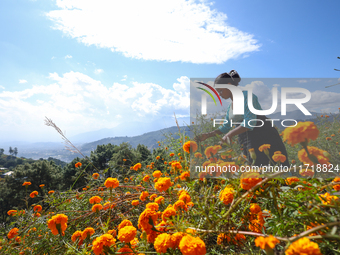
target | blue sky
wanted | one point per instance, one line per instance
(91, 64)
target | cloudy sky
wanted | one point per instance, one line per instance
(93, 64)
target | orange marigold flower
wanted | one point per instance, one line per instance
(190, 146)
(316, 152)
(143, 195)
(12, 212)
(158, 157)
(255, 208)
(227, 195)
(51, 192)
(97, 208)
(153, 196)
(95, 200)
(279, 157)
(176, 165)
(337, 186)
(34, 194)
(144, 220)
(58, 223)
(37, 208)
(127, 234)
(152, 206)
(250, 181)
(26, 184)
(101, 242)
(303, 246)
(190, 245)
(124, 223)
(184, 175)
(126, 250)
(327, 199)
(157, 174)
(300, 133)
(163, 184)
(176, 239)
(146, 178)
(266, 242)
(264, 148)
(77, 236)
(180, 205)
(95, 176)
(42, 185)
(168, 212)
(78, 164)
(112, 232)
(291, 180)
(135, 202)
(209, 151)
(185, 197)
(111, 183)
(162, 243)
(12, 233)
(198, 155)
(172, 154)
(87, 233)
(222, 237)
(159, 199)
(137, 166)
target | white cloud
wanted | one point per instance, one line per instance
(2, 87)
(98, 71)
(124, 78)
(22, 81)
(79, 103)
(178, 30)
(302, 81)
(68, 56)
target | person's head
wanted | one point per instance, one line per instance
(232, 78)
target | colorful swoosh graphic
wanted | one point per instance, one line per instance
(213, 90)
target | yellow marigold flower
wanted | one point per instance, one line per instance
(95, 200)
(168, 212)
(135, 202)
(163, 184)
(266, 242)
(159, 199)
(143, 195)
(157, 174)
(124, 223)
(301, 132)
(87, 233)
(146, 178)
(176, 165)
(111, 183)
(184, 175)
(327, 199)
(152, 206)
(34, 194)
(291, 180)
(190, 146)
(190, 245)
(78, 164)
(12, 212)
(318, 153)
(303, 246)
(51, 192)
(144, 219)
(185, 197)
(137, 166)
(37, 208)
(97, 208)
(162, 243)
(279, 157)
(58, 223)
(102, 242)
(26, 184)
(12, 233)
(153, 196)
(95, 176)
(176, 239)
(337, 186)
(127, 234)
(227, 195)
(77, 236)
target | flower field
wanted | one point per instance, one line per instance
(165, 210)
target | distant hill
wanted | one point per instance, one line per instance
(295, 115)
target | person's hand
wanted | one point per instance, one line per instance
(201, 137)
(225, 139)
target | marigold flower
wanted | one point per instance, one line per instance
(126, 250)
(190, 146)
(163, 184)
(227, 195)
(124, 223)
(153, 196)
(327, 199)
(300, 133)
(279, 157)
(51, 192)
(87, 233)
(303, 246)
(184, 175)
(159, 199)
(12, 233)
(144, 220)
(185, 197)
(162, 243)
(137, 166)
(157, 174)
(97, 208)
(176, 165)
(12, 212)
(264, 148)
(146, 178)
(176, 239)
(158, 157)
(222, 237)
(172, 154)
(101, 242)
(255, 208)
(168, 212)
(318, 153)
(37, 208)
(143, 195)
(190, 245)
(135, 202)
(78, 164)
(58, 223)
(42, 185)
(112, 232)
(250, 181)
(266, 242)
(95, 176)
(95, 200)
(127, 234)
(198, 155)
(26, 184)
(152, 206)
(337, 186)
(77, 236)
(34, 194)
(111, 183)
(180, 205)
(291, 180)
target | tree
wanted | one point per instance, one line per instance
(1, 151)
(15, 151)
(10, 150)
